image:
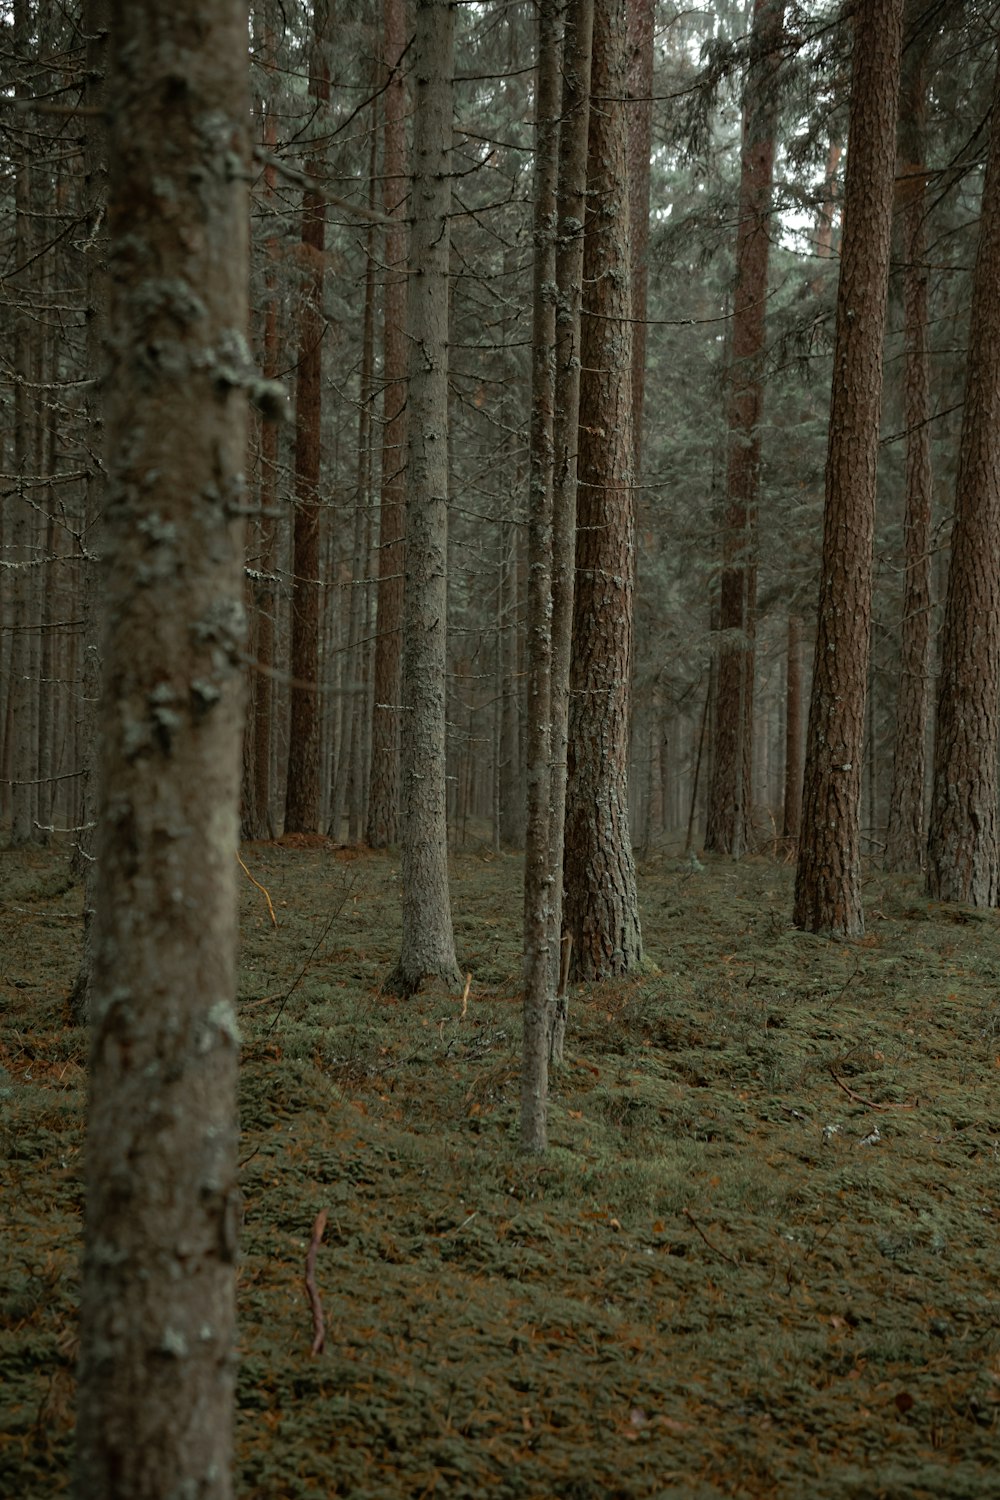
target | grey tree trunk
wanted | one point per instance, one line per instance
(157, 1329)
(428, 944)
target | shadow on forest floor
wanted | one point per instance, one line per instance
(761, 1257)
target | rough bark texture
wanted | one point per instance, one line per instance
(962, 848)
(302, 794)
(793, 731)
(428, 945)
(96, 22)
(601, 908)
(540, 879)
(383, 802)
(640, 145)
(905, 835)
(571, 199)
(730, 809)
(162, 1205)
(828, 875)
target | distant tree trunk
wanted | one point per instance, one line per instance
(640, 145)
(571, 200)
(540, 879)
(96, 24)
(905, 834)
(962, 849)
(828, 875)
(730, 801)
(302, 795)
(258, 819)
(793, 731)
(602, 913)
(157, 1364)
(428, 944)
(383, 801)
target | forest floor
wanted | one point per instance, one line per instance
(761, 1259)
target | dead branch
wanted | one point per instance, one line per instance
(859, 1098)
(312, 1292)
(698, 1230)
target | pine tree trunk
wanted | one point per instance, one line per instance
(428, 944)
(384, 793)
(962, 848)
(828, 875)
(601, 909)
(302, 793)
(905, 835)
(730, 803)
(157, 1365)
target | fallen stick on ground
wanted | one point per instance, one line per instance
(859, 1098)
(315, 1302)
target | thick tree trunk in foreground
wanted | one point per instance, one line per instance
(962, 848)
(730, 810)
(905, 837)
(428, 946)
(162, 1205)
(601, 911)
(828, 875)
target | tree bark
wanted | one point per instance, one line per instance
(157, 1361)
(905, 843)
(828, 875)
(302, 794)
(428, 944)
(601, 906)
(730, 810)
(384, 795)
(540, 879)
(962, 849)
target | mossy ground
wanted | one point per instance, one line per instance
(761, 1258)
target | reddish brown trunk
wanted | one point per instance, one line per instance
(828, 876)
(730, 801)
(905, 835)
(962, 849)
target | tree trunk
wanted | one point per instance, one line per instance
(905, 835)
(828, 875)
(962, 849)
(157, 1366)
(428, 945)
(383, 800)
(640, 146)
(302, 794)
(730, 803)
(571, 199)
(602, 912)
(540, 879)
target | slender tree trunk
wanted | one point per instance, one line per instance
(302, 794)
(384, 795)
(540, 878)
(828, 875)
(157, 1365)
(640, 146)
(730, 805)
(963, 861)
(571, 201)
(905, 835)
(428, 945)
(793, 731)
(601, 909)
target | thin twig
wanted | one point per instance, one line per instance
(698, 1230)
(860, 1099)
(263, 888)
(312, 1292)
